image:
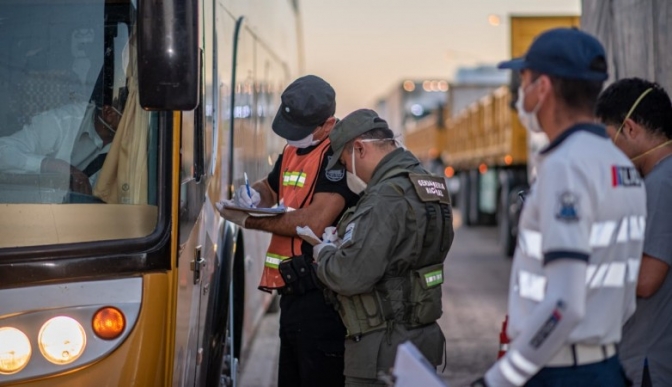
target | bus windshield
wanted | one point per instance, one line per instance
(78, 156)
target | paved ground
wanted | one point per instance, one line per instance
(259, 367)
(474, 305)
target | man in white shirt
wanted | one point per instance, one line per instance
(72, 139)
(581, 231)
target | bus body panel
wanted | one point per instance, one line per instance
(138, 361)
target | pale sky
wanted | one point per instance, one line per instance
(363, 48)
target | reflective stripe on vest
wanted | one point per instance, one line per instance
(296, 188)
(273, 260)
(294, 179)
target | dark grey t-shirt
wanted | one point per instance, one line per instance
(648, 333)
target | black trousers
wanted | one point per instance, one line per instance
(311, 342)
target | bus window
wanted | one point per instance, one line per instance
(72, 133)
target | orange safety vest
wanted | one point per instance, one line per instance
(297, 184)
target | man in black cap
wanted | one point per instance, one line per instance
(311, 332)
(388, 267)
(580, 236)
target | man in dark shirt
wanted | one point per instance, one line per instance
(311, 332)
(638, 117)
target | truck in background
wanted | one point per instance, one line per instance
(427, 138)
(410, 101)
(484, 146)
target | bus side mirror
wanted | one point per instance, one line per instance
(168, 54)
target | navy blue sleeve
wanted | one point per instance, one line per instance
(274, 177)
(334, 181)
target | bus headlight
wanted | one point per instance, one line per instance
(62, 340)
(14, 350)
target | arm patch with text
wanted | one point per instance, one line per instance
(430, 188)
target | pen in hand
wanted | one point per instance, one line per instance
(247, 185)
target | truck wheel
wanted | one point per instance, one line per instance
(463, 198)
(473, 212)
(508, 225)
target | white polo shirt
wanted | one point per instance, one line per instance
(588, 203)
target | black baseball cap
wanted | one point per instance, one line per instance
(565, 53)
(352, 126)
(305, 104)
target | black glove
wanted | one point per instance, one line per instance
(479, 383)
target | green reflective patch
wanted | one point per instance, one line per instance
(434, 278)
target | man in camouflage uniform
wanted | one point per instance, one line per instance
(387, 267)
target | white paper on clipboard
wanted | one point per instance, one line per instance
(412, 369)
(258, 212)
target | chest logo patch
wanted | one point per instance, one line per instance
(349, 231)
(568, 207)
(335, 174)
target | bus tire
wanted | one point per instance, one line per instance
(215, 334)
(238, 285)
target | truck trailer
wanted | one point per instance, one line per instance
(484, 146)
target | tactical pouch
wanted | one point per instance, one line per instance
(361, 314)
(298, 274)
(289, 275)
(426, 294)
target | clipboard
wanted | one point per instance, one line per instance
(258, 212)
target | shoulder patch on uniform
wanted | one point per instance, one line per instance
(568, 207)
(334, 174)
(625, 176)
(349, 232)
(430, 188)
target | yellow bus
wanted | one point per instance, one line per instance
(122, 123)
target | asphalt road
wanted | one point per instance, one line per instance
(474, 305)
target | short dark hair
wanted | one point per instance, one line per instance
(576, 94)
(654, 111)
(378, 134)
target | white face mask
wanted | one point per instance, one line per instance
(528, 119)
(304, 142)
(355, 184)
(105, 124)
